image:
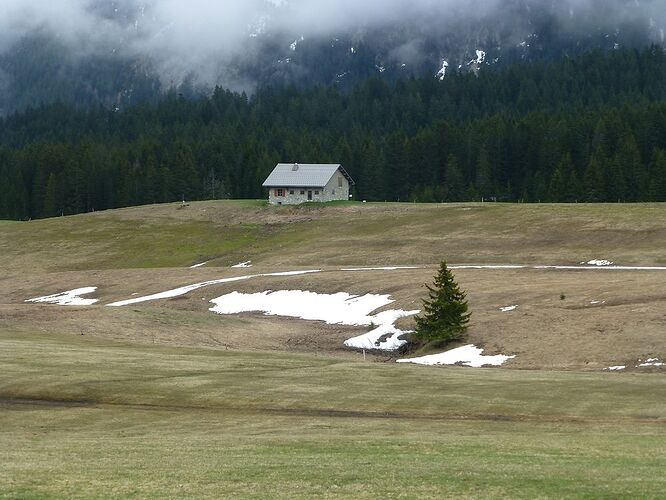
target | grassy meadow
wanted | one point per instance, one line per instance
(338, 234)
(83, 418)
(164, 399)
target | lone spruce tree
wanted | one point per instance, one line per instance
(445, 315)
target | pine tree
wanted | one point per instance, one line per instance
(454, 182)
(594, 189)
(658, 177)
(484, 181)
(51, 197)
(445, 314)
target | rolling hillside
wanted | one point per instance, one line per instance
(161, 397)
(142, 251)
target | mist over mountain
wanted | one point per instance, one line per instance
(127, 51)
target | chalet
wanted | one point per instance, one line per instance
(295, 183)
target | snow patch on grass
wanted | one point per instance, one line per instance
(243, 265)
(598, 263)
(650, 362)
(616, 368)
(468, 355)
(508, 308)
(396, 268)
(177, 292)
(386, 336)
(69, 298)
(195, 266)
(483, 266)
(334, 309)
(582, 267)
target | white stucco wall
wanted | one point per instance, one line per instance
(330, 192)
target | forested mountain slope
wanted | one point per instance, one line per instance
(592, 128)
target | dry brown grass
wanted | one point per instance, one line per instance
(132, 252)
(166, 399)
(543, 332)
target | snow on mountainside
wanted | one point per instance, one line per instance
(143, 50)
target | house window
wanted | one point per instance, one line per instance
(291, 191)
(302, 191)
(316, 192)
(339, 182)
(279, 192)
(334, 191)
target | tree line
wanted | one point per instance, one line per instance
(588, 129)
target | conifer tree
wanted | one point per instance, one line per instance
(453, 180)
(51, 197)
(445, 315)
(658, 177)
(594, 189)
(484, 182)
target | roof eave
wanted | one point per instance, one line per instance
(347, 176)
(293, 186)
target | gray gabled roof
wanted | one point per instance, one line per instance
(304, 175)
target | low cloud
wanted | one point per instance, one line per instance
(199, 36)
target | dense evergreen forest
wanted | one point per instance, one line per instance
(587, 129)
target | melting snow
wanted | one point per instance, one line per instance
(468, 355)
(335, 309)
(295, 43)
(508, 308)
(386, 336)
(598, 262)
(651, 362)
(198, 265)
(177, 292)
(441, 74)
(581, 267)
(379, 268)
(69, 298)
(480, 59)
(243, 264)
(616, 368)
(472, 266)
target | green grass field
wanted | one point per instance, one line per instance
(88, 419)
(152, 402)
(348, 233)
